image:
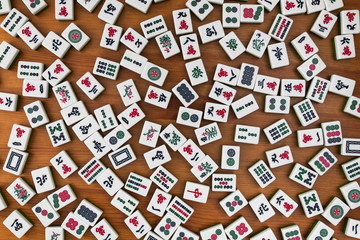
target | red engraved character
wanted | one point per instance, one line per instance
(298, 87)
(63, 12)
(222, 73)
(26, 31)
(271, 85)
(100, 230)
(153, 95)
(30, 88)
(288, 206)
(161, 199)
(1, 101)
(347, 51)
(307, 138)
(58, 69)
(19, 132)
(308, 48)
(221, 112)
(191, 50)
(289, 5)
(66, 169)
(130, 37)
(350, 16)
(134, 221)
(112, 31)
(183, 25)
(327, 18)
(188, 149)
(86, 82)
(284, 155)
(134, 113)
(227, 95)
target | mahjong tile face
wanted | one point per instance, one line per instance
(13, 22)
(204, 169)
(30, 70)
(182, 21)
(90, 85)
(17, 223)
(239, 229)
(211, 31)
(315, 6)
(277, 104)
(216, 112)
(279, 156)
(58, 133)
(278, 55)
(124, 202)
(222, 93)
(281, 26)
(304, 46)
(247, 134)
(89, 5)
(158, 97)
(185, 93)
(64, 94)
(196, 72)
(62, 197)
(291, 231)
(128, 92)
(167, 226)
(352, 106)
(106, 68)
(153, 26)
(75, 36)
(158, 203)
(104, 228)
(223, 182)
(6, 7)
(35, 88)
(351, 228)
(110, 11)
(215, 232)
(110, 38)
(167, 44)
(226, 74)
(283, 203)
(91, 170)
(150, 134)
(117, 137)
(110, 182)
(311, 67)
(57, 231)
(262, 174)
(349, 22)
(293, 88)
(190, 46)
(63, 164)
(267, 234)
(74, 113)
(74, 225)
(351, 194)
(56, 44)
(196, 192)
(134, 40)
(261, 207)
(320, 231)
(64, 10)
(106, 118)
(310, 137)
(45, 212)
(133, 61)
(292, 7)
(233, 202)
(252, 13)
(15, 161)
(230, 157)
(344, 47)
(311, 203)
(131, 116)
(43, 179)
(258, 43)
(19, 137)
(8, 54)
(163, 178)
(142, 6)
(180, 209)
(351, 169)
(21, 191)
(332, 133)
(88, 212)
(303, 175)
(231, 15)
(56, 72)
(189, 117)
(137, 224)
(245, 106)
(267, 85)
(173, 137)
(122, 156)
(232, 45)
(324, 23)
(335, 211)
(138, 184)
(183, 234)
(97, 145)
(306, 112)
(191, 152)
(201, 8)
(342, 85)
(318, 89)
(277, 131)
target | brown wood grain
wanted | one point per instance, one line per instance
(41, 150)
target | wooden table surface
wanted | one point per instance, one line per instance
(41, 150)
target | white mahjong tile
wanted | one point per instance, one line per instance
(278, 55)
(151, 235)
(230, 157)
(252, 13)
(167, 226)
(232, 45)
(138, 184)
(45, 212)
(216, 112)
(158, 97)
(222, 93)
(173, 137)
(335, 211)
(351, 169)
(19, 137)
(74, 113)
(311, 67)
(64, 9)
(91, 170)
(277, 104)
(247, 134)
(238, 229)
(163, 178)
(351, 194)
(90, 85)
(261, 207)
(110, 11)
(56, 72)
(56, 44)
(310, 137)
(153, 26)
(167, 44)
(315, 6)
(35, 88)
(182, 21)
(267, 85)
(211, 31)
(191, 152)
(351, 228)
(63, 164)
(58, 133)
(8, 54)
(15, 161)
(333, 5)
(292, 7)
(5, 7)
(291, 231)
(97, 145)
(231, 15)
(134, 40)
(306, 112)
(89, 5)
(13, 22)
(283, 203)
(117, 137)
(201, 8)
(142, 6)
(64, 94)
(304, 46)
(104, 228)
(31, 35)
(124, 202)
(106, 118)
(342, 85)
(189, 117)
(226, 74)
(350, 147)
(303, 175)
(110, 38)
(88, 212)
(277, 131)
(157, 156)
(43, 179)
(21, 191)
(74, 225)
(3, 202)
(204, 168)
(262, 174)
(245, 106)
(320, 230)
(62, 197)
(17, 223)
(154, 74)
(349, 22)
(332, 133)
(196, 192)
(222, 182)
(293, 88)
(279, 156)
(57, 232)
(324, 23)
(208, 133)
(190, 46)
(133, 61)
(344, 47)
(122, 156)
(183, 233)
(233, 202)
(217, 2)
(268, 4)
(196, 72)
(352, 106)
(281, 26)
(75, 36)
(30, 70)
(86, 127)
(247, 76)
(150, 134)
(128, 92)
(131, 116)
(138, 224)
(258, 44)
(106, 68)
(159, 202)
(110, 182)
(214, 232)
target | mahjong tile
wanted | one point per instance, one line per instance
(158, 97)
(64, 94)
(151, 235)
(45, 212)
(349, 22)
(344, 47)
(342, 85)
(35, 88)
(138, 224)
(244, 106)
(310, 137)
(184, 234)
(233, 203)
(261, 207)
(62, 197)
(230, 157)
(91, 170)
(13, 22)
(293, 88)
(57, 232)
(191, 152)
(56, 44)
(278, 56)
(134, 40)
(63, 164)
(104, 228)
(106, 118)
(226, 74)
(211, 31)
(19, 137)
(74, 225)
(332, 133)
(167, 226)
(231, 15)
(5, 7)
(106, 68)
(232, 45)
(150, 134)
(304, 46)
(167, 44)
(64, 9)
(122, 156)
(153, 26)
(117, 137)
(277, 104)
(89, 5)
(266, 233)
(320, 231)
(75, 36)
(268, 4)
(185, 93)
(291, 231)
(262, 174)
(222, 93)
(311, 203)
(238, 229)
(173, 137)
(182, 21)
(333, 5)
(154, 74)
(315, 6)
(56, 72)
(258, 43)
(247, 76)
(283, 203)
(128, 92)
(163, 178)
(88, 212)
(97, 145)
(110, 38)
(74, 113)
(351, 194)
(292, 7)
(201, 8)
(252, 13)
(351, 169)
(214, 232)
(110, 182)
(216, 112)
(324, 23)
(350, 147)
(267, 85)
(159, 202)
(142, 6)
(352, 106)
(30, 70)
(277, 131)
(204, 168)
(190, 46)
(279, 156)
(3, 201)
(351, 228)
(90, 85)
(131, 116)
(247, 134)
(43, 179)
(311, 67)
(196, 72)
(110, 11)
(138, 184)
(306, 112)
(86, 127)
(124, 202)
(189, 117)
(18, 223)
(21, 191)
(8, 54)
(222, 182)
(303, 175)
(133, 61)
(58, 133)
(196, 192)
(335, 211)
(208, 134)
(281, 26)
